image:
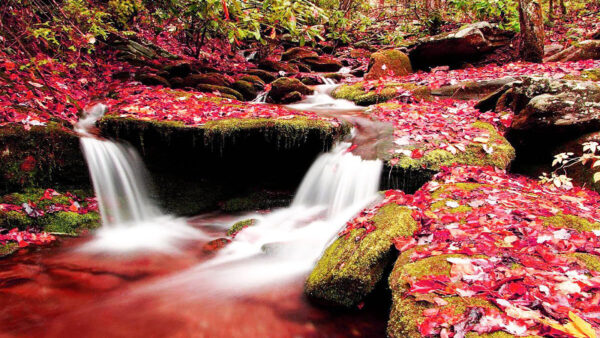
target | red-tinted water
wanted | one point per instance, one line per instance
(56, 291)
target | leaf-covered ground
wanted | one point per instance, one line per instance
(449, 125)
(522, 256)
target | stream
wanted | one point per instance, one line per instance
(145, 273)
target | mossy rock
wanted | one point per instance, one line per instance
(474, 154)
(322, 64)
(590, 261)
(586, 75)
(70, 223)
(298, 53)
(281, 87)
(357, 94)
(351, 267)
(245, 88)
(61, 222)
(238, 226)
(570, 222)
(264, 75)
(214, 79)
(256, 81)
(40, 157)
(407, 312)
(409, 173)
(153, 80)
(225, 91)
(388, 61)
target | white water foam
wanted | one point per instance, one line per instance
(321, 100)
(130, 220)
(285, 244)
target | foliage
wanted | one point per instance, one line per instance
(591, 157)
(503, 12)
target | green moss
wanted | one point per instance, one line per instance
(66, 222)
(351, 266)
(442, 205)
(571, 222)
(586, 75)
(590, 261)
(447, 188)
(358, 95)
(236, 227)
(8, 248)
(40, 156)
(14, 219)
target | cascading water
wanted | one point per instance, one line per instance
(321, 100)
(261, 97)
(130, 220)
(285, 244)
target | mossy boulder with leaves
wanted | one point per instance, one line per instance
(353, 264)
(285, 86)
(389, 62)
(366, 94)
(53, 213)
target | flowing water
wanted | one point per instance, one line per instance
(250, 288)
(284, 245)
(130, 219)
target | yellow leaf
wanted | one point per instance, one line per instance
(582, 325)
(572, 330)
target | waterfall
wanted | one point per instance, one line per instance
(285, 244)
(118, 179)
(321, 100)
(130, 219)
(261, 98)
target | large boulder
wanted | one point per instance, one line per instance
(589, 49)
(472, 90)
(214, 79)
(323, 64)
(245, 88)
(547, 111)
(351, 266)
(278, 66)
(153, 80)
(285, 86)
(298, 53)
(389, 62)
(264, 75)
(467, 44)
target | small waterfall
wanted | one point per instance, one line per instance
(261, 98)
(118, 179)
(285, 244)
(130, 220)
(321, 100)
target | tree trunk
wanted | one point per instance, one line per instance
(551, 10)
(532, 31)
